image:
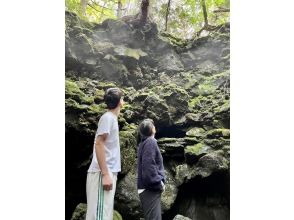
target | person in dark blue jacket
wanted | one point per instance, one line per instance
(151, 178)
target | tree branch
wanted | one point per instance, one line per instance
(101, 5)
(220, 10)
(96, 10)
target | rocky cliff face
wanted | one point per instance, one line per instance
(182, 85)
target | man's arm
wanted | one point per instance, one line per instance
(100, 155)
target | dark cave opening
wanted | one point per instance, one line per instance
(203, 199)
(78, 150)
(170, 132)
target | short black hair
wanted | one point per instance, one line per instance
(145, 128)
(112, 97)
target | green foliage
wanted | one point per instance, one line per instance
(184, 20)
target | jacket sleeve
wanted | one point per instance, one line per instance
(150, 174)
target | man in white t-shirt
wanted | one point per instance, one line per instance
(102, 173)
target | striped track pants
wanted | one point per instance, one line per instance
(99, 201)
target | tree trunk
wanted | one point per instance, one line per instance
(144, 11)
(203, 5)
(83, 6)
(167, 13)
(119, 9)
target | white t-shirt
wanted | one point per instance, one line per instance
(108, 124)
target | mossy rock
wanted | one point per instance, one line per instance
(106, 85)
(192, 140)
(212, 162)
(172, 147)
(128, 144)
(103, 47)
(224, 108)
(73, 105)
(73, 91)
(196, 132)
(217, 143)
(99, 96)
(220, 132)
(114, 69)
(210, 85)
(80, 212)
(206, 89)
(97, 109)
(194, 152)
(116, 215)
(175, 97)
(129, 52)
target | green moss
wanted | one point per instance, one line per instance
(195, 132)
(105, 85)
(219, 75)
(73, 91)
(196, 101)
(70, 103)
(168, 89)
(200, 102)
(219, 132)
(167, 140)
(97, 109)
(128, 146)
(99, 95)
(223, 108)
(206, 89)
(195, 149)
(116, 215)
(71, 88)
(217, 143)
(130, 127)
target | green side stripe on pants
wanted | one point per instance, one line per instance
(98, 198)
(102, 198)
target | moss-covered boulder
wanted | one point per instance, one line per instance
(216, 133)
(193, 153)
(116, 215)
(196, 132)
(175, 97)
(169, 196)
(145, 104)
(128, 148)
(80, 212)
(172, 147)
(127, 200)
(212, 162)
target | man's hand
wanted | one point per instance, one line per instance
(107, 182)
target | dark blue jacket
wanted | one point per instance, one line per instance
(150, 165)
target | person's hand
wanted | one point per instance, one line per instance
(107, 182)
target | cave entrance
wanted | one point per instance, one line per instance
(203, 199)
(170, 132)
